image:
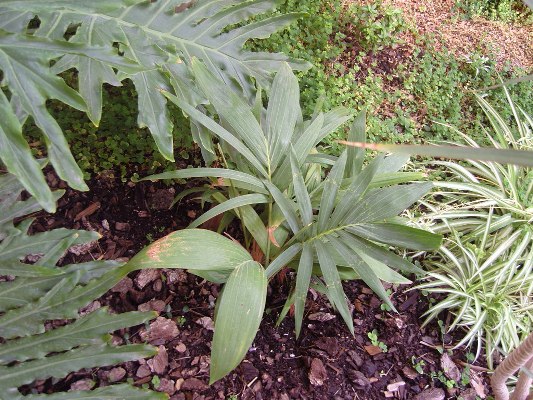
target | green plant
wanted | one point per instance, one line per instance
(327, 229)
(377, 26)
(502, 10)
(385, 306)
(107, 42)
(418, 365)
(42, 291)
(374, 339)
(485, 266)
(439, 375)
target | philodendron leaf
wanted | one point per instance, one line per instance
(59, 365)
(502, 156)
(240, 309)
(88, 330)
(113, 392)
(16, 155)
(152, 36)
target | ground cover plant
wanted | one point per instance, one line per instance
(360, 61)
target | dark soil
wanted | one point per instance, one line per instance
(325, 363)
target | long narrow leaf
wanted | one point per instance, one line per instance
(333, 282)
(231, 204)
(303, 279)
(502, 156)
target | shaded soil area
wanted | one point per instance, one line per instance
(404, 361)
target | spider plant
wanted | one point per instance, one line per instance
(486, 210)
(327, 229)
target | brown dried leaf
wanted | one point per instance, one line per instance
(372, 350)
(317, 373)
(321, 317)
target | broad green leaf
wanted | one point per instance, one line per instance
(300, 191)
(240, 310)
(329, 194)
(113, 392)
(59, 365)
(234, 176)
(16, 155)
(502, 156)
(333, 283)
(303, 279)
(191, 248)
(398, 235)
(88, 330)
(282, 113)
(231, 204)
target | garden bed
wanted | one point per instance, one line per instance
(325, 363)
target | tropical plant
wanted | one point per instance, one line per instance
(41, 291)
(326, 230)
(149, 42)
(485, 267)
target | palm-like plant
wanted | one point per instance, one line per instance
(149, 42)
(326, 230)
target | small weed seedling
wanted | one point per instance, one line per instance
(373, 336)
(385, 306)
(449, 383)
(418, 365)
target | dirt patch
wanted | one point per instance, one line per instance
(506, 43)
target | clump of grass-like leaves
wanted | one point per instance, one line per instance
(484, 269)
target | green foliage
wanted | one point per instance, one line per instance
(117, 143)
(360, 62)
(374, 339)
(41, 292)
(108, 42)
(376, 25)
(499, 10)
(485, 267)
(326, 228)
